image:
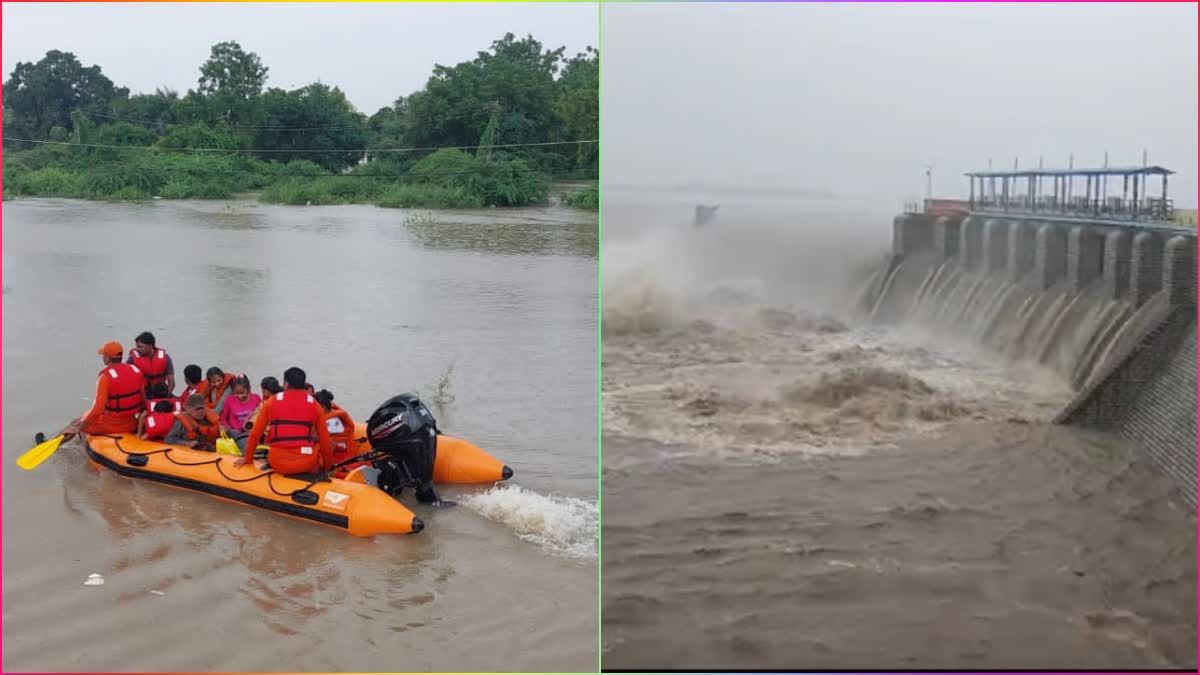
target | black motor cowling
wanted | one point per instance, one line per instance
(406, 432)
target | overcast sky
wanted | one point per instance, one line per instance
(859, 98)
(374, 51)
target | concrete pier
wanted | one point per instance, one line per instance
(1022, 242)
(1179, 271)
(1049, 256)
(946, 237)
(971, 243)
(1118, 264)
(1145, 268)
(1085, 256)
(995, 245)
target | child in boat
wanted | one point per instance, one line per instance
(238, 408)
(156, 424)
(160, 393)
(341, 431)
(269, 387)
(192, 375)
(220, 385)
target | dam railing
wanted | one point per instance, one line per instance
(1054, 192)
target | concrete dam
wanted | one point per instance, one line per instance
(1100, 290)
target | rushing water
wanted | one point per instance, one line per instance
(1069, 331)
(499, 305)
(787, 485)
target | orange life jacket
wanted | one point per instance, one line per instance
(344, 444)
(210, 428)
(154, 367)
(126, 390)
(158, 425)
(294, 416)
(213, 396)
(150, 403)
(201, 389)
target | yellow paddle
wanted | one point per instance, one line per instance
(40, 453)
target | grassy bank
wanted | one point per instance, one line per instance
(583, 199)
(446, 179)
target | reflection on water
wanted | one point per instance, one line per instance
(527, 238)
(370, 308)
(223, 215)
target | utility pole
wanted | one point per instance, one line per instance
(1070, 179)
(991, 189)
(488, 141)
(1104, 183)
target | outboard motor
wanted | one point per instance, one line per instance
(406, 432)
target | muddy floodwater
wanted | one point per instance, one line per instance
(789, 486)
(490, 315)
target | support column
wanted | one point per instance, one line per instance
(1118, 264)
(1085, 256)
(900, 234)
(971, 244)
(1050, 256)
(1022, 245)
(946, 234)
(1179, 271)
(1146, 269)
(995, 245)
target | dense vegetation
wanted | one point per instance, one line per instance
(506, 123)
(584, 199)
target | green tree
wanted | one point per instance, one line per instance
(507, 95)
(124, 133)
(43, 95)
(315, 118)
(198, 135)
(578, 107)
(517, 76)
(156, 111)
(230, 80)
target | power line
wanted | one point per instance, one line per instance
(281, 128)
(135, 120)
(411, 176)
(297, 151)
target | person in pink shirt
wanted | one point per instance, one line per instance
(239, 407)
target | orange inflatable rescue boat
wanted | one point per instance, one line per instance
(364, 503)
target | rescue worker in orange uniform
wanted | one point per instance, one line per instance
(196, 427)
(154, 363)
(291, 420)
(120, 397)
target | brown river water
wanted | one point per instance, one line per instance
(788, 486)
(500, 305)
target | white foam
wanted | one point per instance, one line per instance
(566, 526)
